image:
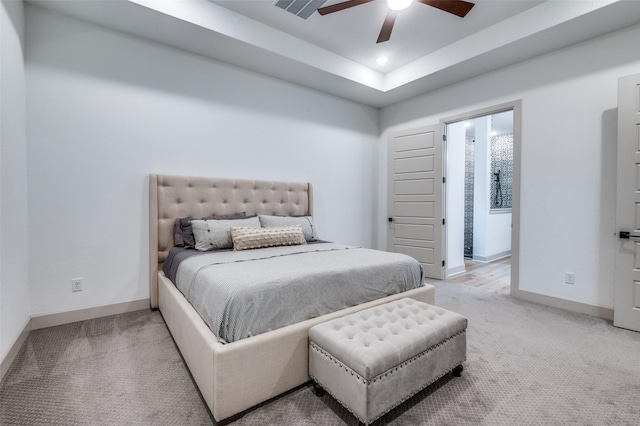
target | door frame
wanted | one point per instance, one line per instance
(516, 107)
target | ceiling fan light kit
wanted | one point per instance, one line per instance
(399, 4)
(455, 7)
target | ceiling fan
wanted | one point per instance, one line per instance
(456, 7)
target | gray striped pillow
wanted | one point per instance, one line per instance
(308, 228)
(215, 234)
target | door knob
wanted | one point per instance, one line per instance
(626, 235)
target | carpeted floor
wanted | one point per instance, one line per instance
(527, 365)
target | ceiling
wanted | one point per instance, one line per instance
(419, 30)
(337, 53)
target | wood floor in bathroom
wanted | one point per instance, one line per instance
(493, 276)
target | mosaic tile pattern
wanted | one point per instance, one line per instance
(502, 163)
(469, 158)
(501, 196)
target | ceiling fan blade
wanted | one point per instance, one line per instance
(341, 6)
(457, 7)
(387, 26)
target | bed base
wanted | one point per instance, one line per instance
(237, 376)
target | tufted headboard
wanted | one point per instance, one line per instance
(172, 197)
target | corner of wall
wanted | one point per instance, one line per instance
(14, 289)
(6, 359)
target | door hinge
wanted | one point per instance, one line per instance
(443, 221)
(444, 137)
(443, 263)
(444, 179)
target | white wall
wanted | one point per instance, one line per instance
(498, 243)
(568, 170)
(14, 289)
(491, 232)
(481, 172)
(105, 109)
(455, 197)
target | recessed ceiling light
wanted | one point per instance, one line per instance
(382, 60)
(398, 4)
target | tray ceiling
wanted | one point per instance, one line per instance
(337, 53)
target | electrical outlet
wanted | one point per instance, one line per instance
(76, 284)
(569, 277)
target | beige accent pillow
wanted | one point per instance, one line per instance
(252, 238)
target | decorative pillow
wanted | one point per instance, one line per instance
(216, 234)
(183, 233)
(253, 238)
(306, 222)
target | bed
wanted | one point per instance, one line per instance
(236, 376)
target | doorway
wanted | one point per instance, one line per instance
(481, 195)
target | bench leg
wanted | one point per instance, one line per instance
(457, 372)
(318, 390)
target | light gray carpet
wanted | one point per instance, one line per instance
(527, 365)
(116, 370)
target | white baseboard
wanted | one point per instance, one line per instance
(59, 318)
(15, 347)
(455, 271)
(487, 259)
(50, 320)
(567, 305)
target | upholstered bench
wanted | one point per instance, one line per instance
(375, 359)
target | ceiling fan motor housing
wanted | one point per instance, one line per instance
(459, 8)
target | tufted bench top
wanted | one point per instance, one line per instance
(377, 339)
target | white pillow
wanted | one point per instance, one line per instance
(216, 234)
(308, 228)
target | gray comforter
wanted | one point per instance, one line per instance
(242, 294)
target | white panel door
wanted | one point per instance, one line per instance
(627, 272)
(415, 197)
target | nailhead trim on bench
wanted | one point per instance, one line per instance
(391, 370)
(385, 374)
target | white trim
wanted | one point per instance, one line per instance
(516, 106)
(567, 305)
(455, 271)
(7, 359)
(500, 211)
(493, 257)
(59, 318)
